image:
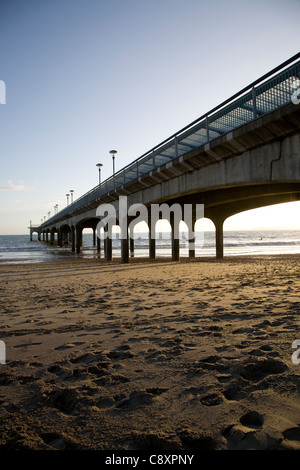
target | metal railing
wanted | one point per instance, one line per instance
(268, 93)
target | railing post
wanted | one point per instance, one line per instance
(254, 103)
(207, 128)
(176, 146)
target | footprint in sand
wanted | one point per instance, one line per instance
(258, 370)
(67, 346)
(252, 419)
(291, 439)
(139, 398)
(244, 434)
(89, 357)
(120, 353)
(59, 442)
(64, 399)
(25, 345)
(211, 399)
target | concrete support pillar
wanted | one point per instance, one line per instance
(152, 240)
(174, 238)
(219, 237)
(39, 236)
(47, 239)
(98, 241)
(108, 243)
(192, 240)
(152, 247)
(73, 239)
(59, 238)
(78, 239)
(131, 242)
(66, 238)
(94, 237)
(52, 237)
(125, 247)
(108, 249)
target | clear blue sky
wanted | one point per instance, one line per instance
(85, 76)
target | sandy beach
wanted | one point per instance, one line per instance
(163, 355)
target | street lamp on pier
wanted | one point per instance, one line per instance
(99, 165)
(113, 153)
(71, 192)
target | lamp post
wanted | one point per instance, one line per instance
(67, 199)
(71, 192)
(99, 165)
(113, 152)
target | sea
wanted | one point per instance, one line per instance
(18, 249)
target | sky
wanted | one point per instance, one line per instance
(83, 77)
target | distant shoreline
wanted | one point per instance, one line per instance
(79, 259)
(19, 249)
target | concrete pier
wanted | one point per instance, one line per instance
(226, 169)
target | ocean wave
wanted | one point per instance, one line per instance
(20, 249)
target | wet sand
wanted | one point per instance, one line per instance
(162, 355)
